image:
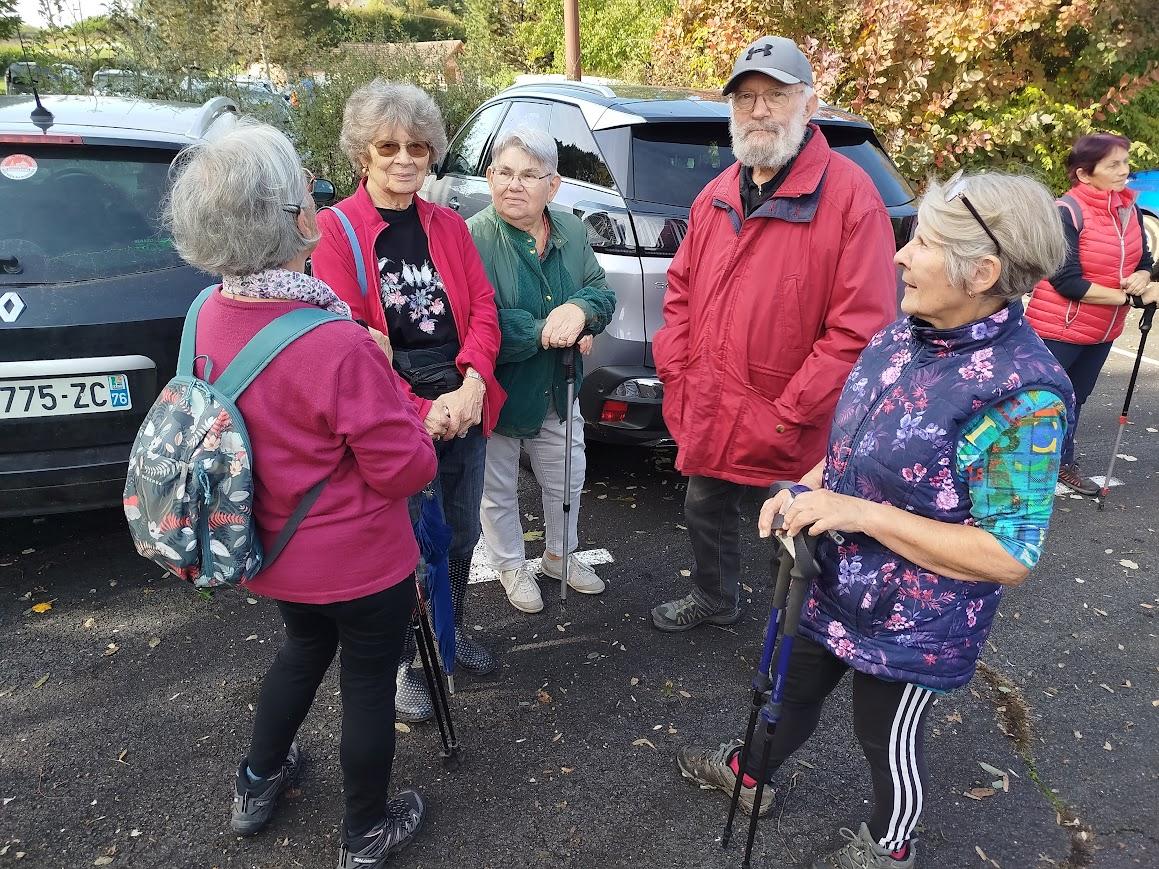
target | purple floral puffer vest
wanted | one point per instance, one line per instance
(894, 440)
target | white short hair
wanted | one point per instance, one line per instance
(230, 207)
(381, 103)
(1020, 212)
(536, 144)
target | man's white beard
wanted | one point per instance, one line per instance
(770, 152)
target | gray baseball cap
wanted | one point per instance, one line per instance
(775, 56)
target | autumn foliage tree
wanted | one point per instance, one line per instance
(947, 83)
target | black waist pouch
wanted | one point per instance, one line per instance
(430, 371)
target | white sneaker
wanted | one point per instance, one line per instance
(579, 576)
(522, 589)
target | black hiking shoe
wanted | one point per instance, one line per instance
(404, 817)
(472, 655)
(687, 613)
(254, 802)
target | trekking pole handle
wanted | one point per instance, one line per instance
(1148, 316)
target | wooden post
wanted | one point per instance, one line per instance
(571, 39)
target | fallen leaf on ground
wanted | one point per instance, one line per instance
(642, 742)
(533, 535)
(684, 694)
(39, 683)
(251, 637)
(1107, 746)
(1126, 562)
(686, 573)
(542, 696)
(102, 861)
(980, 793)
(41, 607)
(111, 649)
(567, 770)
(89, 622)
(121, 757)
(401, 728)
(251, 600)
(154, 642)
(634, 681)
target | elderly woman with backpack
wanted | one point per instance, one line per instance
(1082, 308)
(327, 407)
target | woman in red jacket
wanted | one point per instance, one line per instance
(327, 408)
(1081, 310)
(410, 269)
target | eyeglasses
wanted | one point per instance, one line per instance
(956, 189)
(528, 177)
(417, 150)
(774, 99)
(310, 179)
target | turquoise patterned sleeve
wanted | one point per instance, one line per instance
(1009, 456)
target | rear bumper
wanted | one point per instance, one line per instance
(642, 425)
(62, 481)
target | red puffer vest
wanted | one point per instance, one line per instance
(1110, 248)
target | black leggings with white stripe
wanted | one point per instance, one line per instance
(890, 721)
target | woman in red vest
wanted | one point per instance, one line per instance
(1081, 310)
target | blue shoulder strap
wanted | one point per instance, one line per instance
(187, 353)
(1076, 212)
(354, 249)
(261, 349)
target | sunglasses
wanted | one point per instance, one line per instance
(956, 189)
(391, 149)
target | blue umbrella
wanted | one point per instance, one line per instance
(434, 538)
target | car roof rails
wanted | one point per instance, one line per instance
(597, 87)
(213, 109)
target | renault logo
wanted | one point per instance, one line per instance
(11, 307)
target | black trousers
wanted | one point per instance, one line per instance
(712, 510)
(370, 631)
(890, 721)
(1082, 362)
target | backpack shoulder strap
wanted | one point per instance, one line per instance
(352, 239)
(1076, 212)
(187, 352)
(261, 349)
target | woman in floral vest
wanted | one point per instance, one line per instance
(938, 483)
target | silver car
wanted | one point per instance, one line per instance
(633, 159)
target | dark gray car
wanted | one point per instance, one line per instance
(92, 293)
(632, 160)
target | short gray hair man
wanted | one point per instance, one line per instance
(234, 204)
(536, 144)
(381, 103)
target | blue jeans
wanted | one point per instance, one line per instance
(458, 487)
(1082, 363)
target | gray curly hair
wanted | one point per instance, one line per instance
(381, 103)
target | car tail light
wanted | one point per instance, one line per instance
(658, 235)
(614, 411)
(38, 139)
(609, 229)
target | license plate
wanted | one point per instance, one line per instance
(61, 396)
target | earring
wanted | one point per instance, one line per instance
(971, 293)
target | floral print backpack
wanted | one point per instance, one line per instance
(189, 491)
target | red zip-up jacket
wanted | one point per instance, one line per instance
(765, 316)
(453, 254)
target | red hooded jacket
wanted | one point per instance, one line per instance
(453, 254)
(764, 317)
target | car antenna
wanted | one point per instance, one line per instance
(41, 116)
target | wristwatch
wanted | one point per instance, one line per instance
(475, 375)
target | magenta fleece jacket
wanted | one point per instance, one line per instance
(329, 405)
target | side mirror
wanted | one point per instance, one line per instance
(323, 192)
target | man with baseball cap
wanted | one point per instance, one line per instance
(784, 275)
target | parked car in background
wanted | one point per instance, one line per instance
(1146, 183)
(21, 76)
(632, 160)
(92, 293)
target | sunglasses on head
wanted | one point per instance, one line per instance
(390, 149)
(956, 189)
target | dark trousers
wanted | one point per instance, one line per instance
(889, 719)
(370, 631)
(1082, 363)
(712, 513)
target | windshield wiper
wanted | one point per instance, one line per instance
(10, 265)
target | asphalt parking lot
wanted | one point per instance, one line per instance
(125, 706)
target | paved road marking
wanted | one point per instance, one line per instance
(481, 571)
(1131, 355)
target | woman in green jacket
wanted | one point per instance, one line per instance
(549, 289)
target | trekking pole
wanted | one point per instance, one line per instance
(424, 636)
(779, 566)
(800, 577)
(567, 359)
(1144, 329)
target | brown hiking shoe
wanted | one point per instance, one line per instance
(1070, 477)
(709, 768)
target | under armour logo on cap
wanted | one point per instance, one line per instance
(775, 56)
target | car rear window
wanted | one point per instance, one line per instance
(78, 213)
(671, 163)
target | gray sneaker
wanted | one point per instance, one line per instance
(687, 613)
(404, 817)
(254, 802)
(861, 851)
(709, 768)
